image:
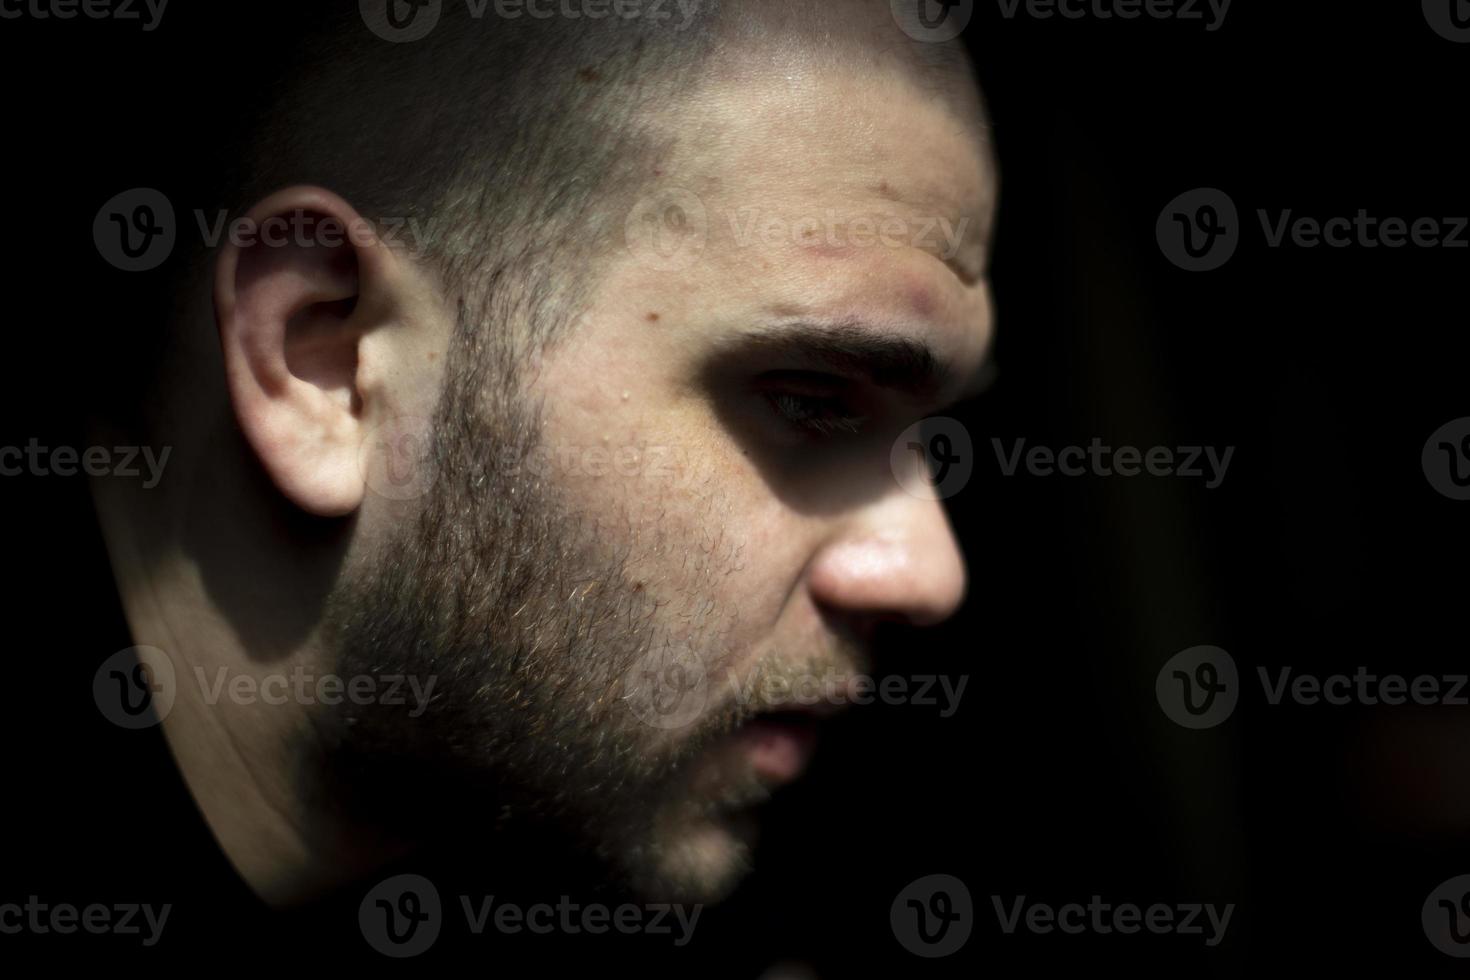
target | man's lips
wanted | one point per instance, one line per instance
(777, 744)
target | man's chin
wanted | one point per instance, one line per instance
(703, 863)
(703, 844)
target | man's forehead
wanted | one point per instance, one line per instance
(820, 194)
(839, 153)
(864, 110)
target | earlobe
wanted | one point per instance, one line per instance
(295, 293)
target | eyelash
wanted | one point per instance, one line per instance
(819, 416)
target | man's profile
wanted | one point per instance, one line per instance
(551, 383)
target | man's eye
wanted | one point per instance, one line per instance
(819, 415)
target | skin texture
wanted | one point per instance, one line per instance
(637, 506)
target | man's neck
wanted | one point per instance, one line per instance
(239, 753)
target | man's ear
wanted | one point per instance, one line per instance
(299, 285)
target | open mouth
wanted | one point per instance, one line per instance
(778, 745)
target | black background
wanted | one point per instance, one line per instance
(1060, 778)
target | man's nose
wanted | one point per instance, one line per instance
(897, 559)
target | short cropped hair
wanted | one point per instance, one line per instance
(512, 148)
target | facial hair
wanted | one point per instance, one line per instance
(521, 609)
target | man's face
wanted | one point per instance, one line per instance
(640, 577)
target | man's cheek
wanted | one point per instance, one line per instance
(678, 467)
(659, 471)
(626, 462)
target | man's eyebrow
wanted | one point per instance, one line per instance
(882, 357)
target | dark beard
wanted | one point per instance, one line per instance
(522, 611)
